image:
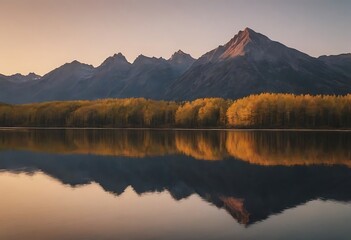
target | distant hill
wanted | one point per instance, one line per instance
(250, 63)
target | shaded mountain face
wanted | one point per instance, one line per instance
(181, 61)
(105, 77)
(11, 86)
(251, 63)
(19, 78)
(145, 77)
(60, 84)
(114, 78)
(340, 63)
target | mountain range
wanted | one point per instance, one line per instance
(250, 63)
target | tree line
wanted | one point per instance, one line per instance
(255, 111)
(291, 111)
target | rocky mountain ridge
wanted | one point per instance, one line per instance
(250, 63)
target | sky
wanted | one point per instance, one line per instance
(40, 35)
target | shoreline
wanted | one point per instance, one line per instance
(179, 129)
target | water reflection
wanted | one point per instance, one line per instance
(257, 147)
(256, 174)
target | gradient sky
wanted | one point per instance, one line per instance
(40, 35)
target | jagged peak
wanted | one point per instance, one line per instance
(179, 55)
(21, 77)
(242, 42)
(249, 30)
(142, 56)
(32, 74)
(116, 59)
(76, 63)
(119, 56)
(250, 33)
(71, 67)
(246, 42)
(142, 59)
(180, 52)
(247, 35)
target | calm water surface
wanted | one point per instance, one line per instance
(158, 184)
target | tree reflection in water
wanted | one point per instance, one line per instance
(250, 174)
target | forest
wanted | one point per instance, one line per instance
(290, 111)
(255, 111)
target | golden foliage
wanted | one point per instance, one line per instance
(255, 111)
(202, 145)
(206, 112)
(256, 147)
(291, 111)
(290, 148)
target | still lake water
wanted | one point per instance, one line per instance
(160, 184)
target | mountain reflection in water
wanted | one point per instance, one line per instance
(251, 175)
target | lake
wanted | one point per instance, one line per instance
(166, 184)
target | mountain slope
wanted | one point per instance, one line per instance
(19, 78)
(107, 76)
(252, 63)
(14, 88)
(340, 63)
(60, 83)
(145, 77)
(181, 61)
(115, 78)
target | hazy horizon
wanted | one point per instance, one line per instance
(38, 35)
